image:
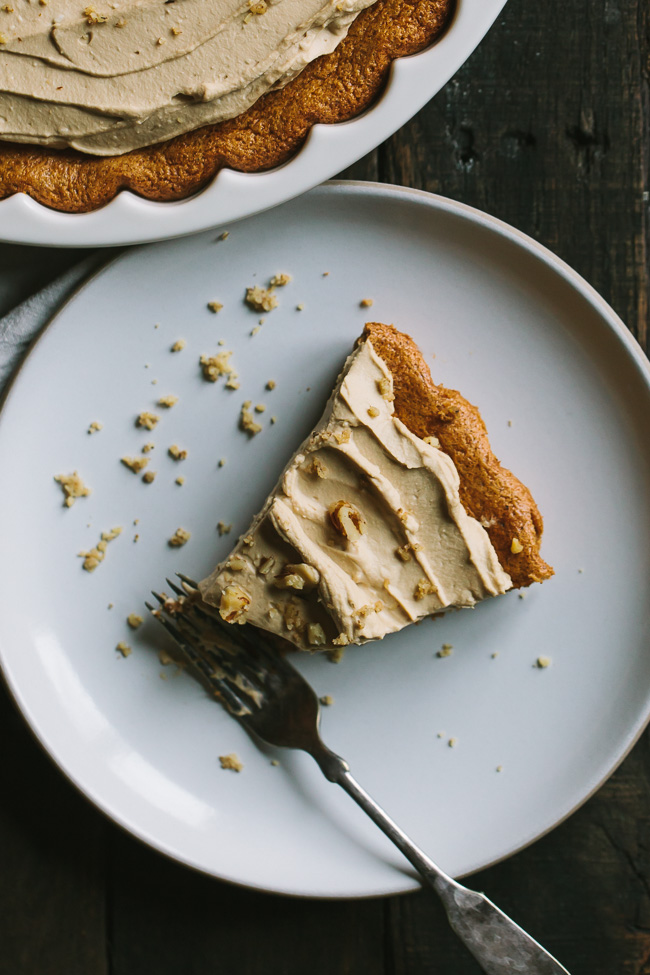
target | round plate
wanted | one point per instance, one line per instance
(130, 219)
(565, 394)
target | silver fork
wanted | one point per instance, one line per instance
(246, 670)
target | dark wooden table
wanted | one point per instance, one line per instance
(547, 126)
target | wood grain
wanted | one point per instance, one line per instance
(548, 127)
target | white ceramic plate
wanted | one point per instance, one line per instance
(499, 318)
(129, 219)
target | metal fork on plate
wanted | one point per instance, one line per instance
(242, 667)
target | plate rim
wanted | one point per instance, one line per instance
(329, 148)
(609, 317)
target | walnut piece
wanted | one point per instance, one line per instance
(261, 299)
(168, 401)
(234, 604)
(97, 554)
(300, 576)
(231, 762)
(134, 620)
(147, 420)
(176, 453)
(347, 520)
(316, 635)
(180, 537)
(246, 420)
(215, 366)
(135, 464)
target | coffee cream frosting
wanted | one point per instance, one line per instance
(363, 534)
(124, 74)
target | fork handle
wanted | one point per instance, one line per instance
(499, 945)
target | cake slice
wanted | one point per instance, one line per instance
(393, 509)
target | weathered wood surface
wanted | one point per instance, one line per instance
(547, 127)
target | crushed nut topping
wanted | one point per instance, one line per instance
(385, 388)
(271, 384)
(236, 563)
(318, 468)
(260, 408)
(316, 635)
(342, 436)
(149, 477)
(261, 299)
(92, 17)
(445, 651)
(135, 464)
(148, 447)
(180, 481)
(97, 554)
(147, 420)
(246, 420)
(327, 700)
(543, 662)
(293, 618)
(366, 302)
(403, 552)
(179, 345)
(279, 280)
(516, 547)
(231, 762)
(373, 411)
(215, 306)
(176, 453)
(73, 487)
(298, 576)
(432, 441)
(347, 520)
(95, 426)
(223, 528)
(265, 565)
(134, 620)
(215, 366)
(123, 648)
(424, 588)
(180, 537)
(234, 604)
(168, 401)
(342, 640)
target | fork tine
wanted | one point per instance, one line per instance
(175, 588)
(188, 581)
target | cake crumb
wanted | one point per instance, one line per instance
(165, 659)
(215, 306)
(176, 452)
(373, 411)
(445, 651)
(223, 528)
(231, 762)
(335, 656)
(494, 655)
(179, 538)
(543, 662)
(271, 384)
(452, 742)
(95, 426)
(273, 419)
(123, 648)
(178, 345)
(215, 366)
(110, 606)
(522, 595)
(168, 401)
(516, 547)
(440, 734)
(136, 538)
(367, 302)
(385, 388)
(327, 700)
(509, 423)
(300, 307)
(274, 762)
(147, 420)
(222, 462)
(279, 280)
(180, 481)
(499, 768)
(73, 487)
(148, 447)
(149, 477)
(260, 299)
(224, 236)
(92, 558)
(246, 421)
(134, 620)
(423, 588)
(326, 274)
(260, 408)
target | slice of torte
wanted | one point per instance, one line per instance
(393, 509)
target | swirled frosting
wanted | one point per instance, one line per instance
(123, 74)
(305, 572)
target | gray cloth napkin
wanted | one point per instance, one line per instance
(20, 327)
